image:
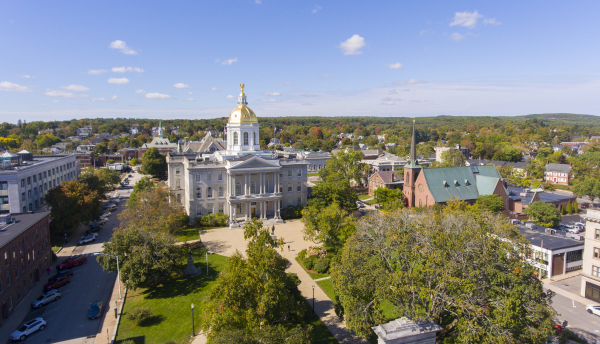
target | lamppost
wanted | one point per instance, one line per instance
(193, 329)
(118, 273)
(313, 311)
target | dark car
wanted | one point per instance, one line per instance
(59, 282)
(95, 310)
(61, 273)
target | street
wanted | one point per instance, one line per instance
(67, 320)
(578, 320)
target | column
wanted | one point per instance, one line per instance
(276, 182)
(262, 183)
(247, 210)
(245, 183)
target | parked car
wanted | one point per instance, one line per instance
(129, 176)
(106, 214)
(28, 328)
(530, 225)
(93, 229)
(102, 221)
(88, 238)
(112, 208)
(65, 272)
(580, 225)
(95, 310)
(59, 282)
(71, 262)
(46, 298)
(516, 222)
(593, 309)
(360, 204)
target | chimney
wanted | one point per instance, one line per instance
(547, 161)
(186, 140)
(571, 164)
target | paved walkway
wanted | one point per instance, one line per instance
(226, 241)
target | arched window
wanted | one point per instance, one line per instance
(209, 192)
(235, 138)
(220, 191)
(238, 188)
(252, 187)
(245, 139)
(198, 193)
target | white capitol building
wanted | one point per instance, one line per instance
(236, 177)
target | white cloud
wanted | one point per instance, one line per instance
(214, 89)
(9, 86)
(272, 94)
(269, 100)
(491, 21)
(353, 45)
(190, 93)
(466, 19)
(122, 47)
(157, 96)
(63, 94)
(56, 101)
(457, 37)
(189, 99)
(141, 91)
(96, 71)
(181, 85)
(114, 97)
(26, 76)
(230, 97)
(317, 9)
(258, 2)
(118, 81)
(76, 88)
(396, 65)
(228, 62)
(127, 69)
(99, 100)
(325, 76)
(387, 103)
(424, 32)
(408, 82)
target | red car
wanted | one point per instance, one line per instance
(59, 282)
(71, 262)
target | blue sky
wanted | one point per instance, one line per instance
(68, 59)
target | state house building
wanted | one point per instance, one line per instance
(236, 177)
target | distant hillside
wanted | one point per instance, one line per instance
(565, 118)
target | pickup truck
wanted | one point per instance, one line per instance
(71, 262)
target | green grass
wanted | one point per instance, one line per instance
(320, 333)
(313, 174)
(371, 202)
(170, 303)
(363, 197)
(188, 234)
(313, 275)
(327, 287)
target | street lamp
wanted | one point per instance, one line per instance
(193, 329)
(313, 311)
(118, 273)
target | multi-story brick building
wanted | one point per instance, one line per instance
(25, 255)
(557, 173)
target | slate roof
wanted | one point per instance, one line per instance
(460, 182)
(388, 176)
(204, 145)
(160, 143)
(560, 168)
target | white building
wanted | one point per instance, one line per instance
(240, 180)
(24, 185)
(590, 276)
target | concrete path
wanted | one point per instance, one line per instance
(226, 241)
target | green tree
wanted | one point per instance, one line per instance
(134, 162)
(146, 258)
(151, 209)
(330, 226)
(452, 157)
(506, 171)
(154, 163)
(588, 187)
(569, 208)
(107, 176)
(349, 164)
(543, 214)
(575, 208)
(493, 203)
(101, 148)
(46, 140)
(464, 270)
(253, 292)
(72, 203)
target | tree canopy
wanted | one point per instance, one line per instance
(331, 226)
(493, 203)
(72, 203)
(154, 163)
(543, 214)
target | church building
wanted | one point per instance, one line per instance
(235, 176)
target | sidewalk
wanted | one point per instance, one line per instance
(106, 330)
(22, 310)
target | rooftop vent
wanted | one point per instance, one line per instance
(445, 184)
(455, 182)
(467, 183)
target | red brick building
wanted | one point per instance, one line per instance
(25, 255)
(558, 173)
(385, 179)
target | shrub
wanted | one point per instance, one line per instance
(301, 255)
(316, 251)
(308, 262)
(291, 212)
(138, 315)
(321, 265)
(214, 220)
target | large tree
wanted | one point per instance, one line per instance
(72, 203)
(464, 270)
(335, 188)
(543, 214)
(151, 209)
(453, 157)
(331, 226)
(349, 164)
(146, 257)
(254, 292)
(587, 187)
(154, 163)
(493, 203)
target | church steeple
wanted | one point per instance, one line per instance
(160, 130)
(411, 172)
(413, 161)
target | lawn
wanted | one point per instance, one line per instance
(171, 304)
(363, 197)
(187, 234)
(327, 287)
(313, 174)
(371, 202)
(313, 275)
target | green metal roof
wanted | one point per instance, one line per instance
(486, 185)
(489, 171)
(446, 183)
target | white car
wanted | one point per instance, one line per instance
(28, 328)
(593, 309)
(88, 238)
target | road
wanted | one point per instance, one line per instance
(66, 318)
(578, 320)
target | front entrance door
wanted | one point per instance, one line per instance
(253, 211)
(558, 264)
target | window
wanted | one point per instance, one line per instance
(178, 198)
(209, 177)
(4, 200)
(299, 201)
(209, 208)
(7, 278)
(254, 138)
(220, 176)
(3, 185)
(597, 234)
(23, 198)
(245, 139)
(252, 187)
(221, 206)
(266, 186)
(22, 183)
(290, 187)
(280, 175)
(44, 174)
(198, 193)
(280, 187)
(235, 138)
(299, 187)
(178, 183)
(28, 180)
(289, 201)
(176, 170)
(238, 188)
(220, 191)
(595, 271)
(596, 252)
(299, 173)
(198, 177)
(289, 173)
(209, 192)
(34, 178)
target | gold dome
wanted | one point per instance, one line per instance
(242, 114)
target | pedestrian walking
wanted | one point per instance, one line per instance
(48, 270)
(273, 230)
(288, 248)
(66, 238)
